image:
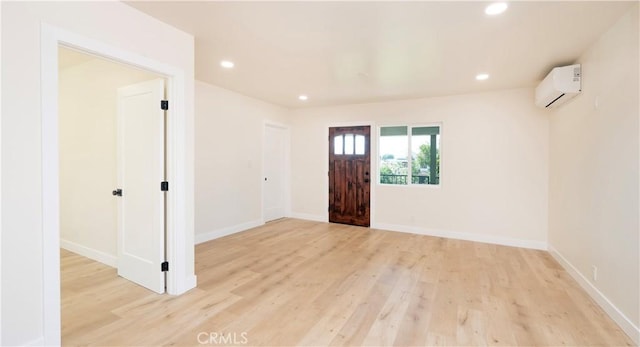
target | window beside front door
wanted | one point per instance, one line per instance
(409, 155)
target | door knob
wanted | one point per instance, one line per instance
(117, 192)
(366, 180)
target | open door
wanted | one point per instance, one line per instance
(141, 169)
(349, 175)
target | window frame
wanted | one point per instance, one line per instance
(409, 135)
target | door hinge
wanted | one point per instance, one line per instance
(164, 104)
(164, 267)
(164, 186)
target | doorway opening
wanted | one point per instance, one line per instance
(350, 175)
(111, 160)
(180, 251)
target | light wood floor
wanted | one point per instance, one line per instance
(296, 282)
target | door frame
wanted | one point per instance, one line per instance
(178, 280)
(373, 166)
(287, 170)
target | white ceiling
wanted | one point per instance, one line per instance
(354, 52)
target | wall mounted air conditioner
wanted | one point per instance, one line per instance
(560, 85)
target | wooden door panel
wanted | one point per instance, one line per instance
(349, 177)
(336, 189)
(362, 191)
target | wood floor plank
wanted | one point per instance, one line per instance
(412, 330)
(385, 328)
(294, 282)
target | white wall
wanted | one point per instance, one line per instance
(593, 218)
(494, 149)
(88, 106)
(112, 23)
(229, 142)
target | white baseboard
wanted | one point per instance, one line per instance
(90, 253)
(620, 318)
(498, 240)
(311, 217)
(212, 235)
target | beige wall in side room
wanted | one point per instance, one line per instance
(229, 135)
(112, 23)
(87, 115)
(494, 166)
(593, 218)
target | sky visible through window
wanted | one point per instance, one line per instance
(397, 145)
(394, 145)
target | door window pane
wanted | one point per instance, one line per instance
(360, 144)
(348, 144)
(337, 144)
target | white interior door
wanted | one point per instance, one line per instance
(140, 171)
(274, 172)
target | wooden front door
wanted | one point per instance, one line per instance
(349, 175)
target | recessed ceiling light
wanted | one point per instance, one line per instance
(482, 76)
(227, 64)
(303, 97)
(496, 8)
